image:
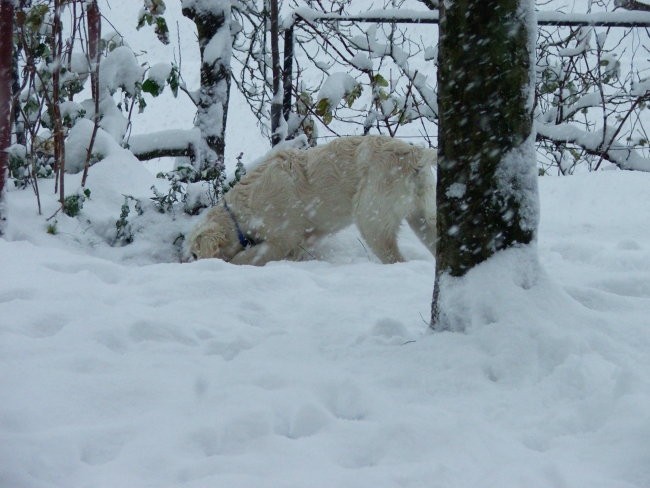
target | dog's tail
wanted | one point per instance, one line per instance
(415, 157)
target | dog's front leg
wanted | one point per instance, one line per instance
(260, 254)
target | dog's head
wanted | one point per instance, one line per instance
(214, 238)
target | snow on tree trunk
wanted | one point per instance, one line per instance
(6, 79)
(212, 19)
(487, 187)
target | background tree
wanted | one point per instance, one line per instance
(487, 185)
(212, 20)
(359, 76)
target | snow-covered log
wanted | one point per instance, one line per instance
(166, 143)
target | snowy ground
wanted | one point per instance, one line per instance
(115, 372)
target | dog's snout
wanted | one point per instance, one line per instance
(189, 257)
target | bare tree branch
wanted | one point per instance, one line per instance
(632, 5)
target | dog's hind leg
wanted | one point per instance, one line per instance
(379, 224)
(422, 218)
(424, 226)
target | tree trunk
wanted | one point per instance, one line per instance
(215, 44)
(6, 80)
(287, 72)
(487, 187)
(56, 48)
(276, 102)
(94, 23)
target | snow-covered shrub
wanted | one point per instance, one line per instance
(123, 229)
(73, 204)
(23, 166)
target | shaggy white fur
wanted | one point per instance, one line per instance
(296, 196)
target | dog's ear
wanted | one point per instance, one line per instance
(203, 243)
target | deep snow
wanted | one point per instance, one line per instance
(324, 373)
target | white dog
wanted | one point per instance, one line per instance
(296, 196)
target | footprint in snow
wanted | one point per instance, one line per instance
(307, 421)
(346, 401)
(145, 330)
(228, 350)
(102, 448)
(628, 245)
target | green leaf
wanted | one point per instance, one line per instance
(173, 80)
(150, 86)
(141, 104)
(144, 18)
(161, 30)
(36, 16)
(380, 80)
(323, 107)
(353, 95)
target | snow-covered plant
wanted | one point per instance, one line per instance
(166, 202)
(72, 204)
(240, 172)
(53, 65)
(190, 195)
(153, 14)
(123, 229)
(159, 76)
(51, 70)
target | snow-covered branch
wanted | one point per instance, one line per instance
(407, 16)
(598, 143)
